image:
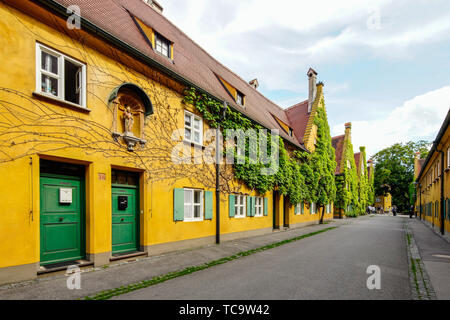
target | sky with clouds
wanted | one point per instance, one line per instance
(385, 63)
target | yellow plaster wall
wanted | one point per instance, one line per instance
(19, 234)
(432, 192)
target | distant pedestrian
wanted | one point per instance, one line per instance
(411, 212)
(394, 211)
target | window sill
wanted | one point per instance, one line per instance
(60, 102)
(193, 144)
(165, 57)
(194, 220)
(236, 217)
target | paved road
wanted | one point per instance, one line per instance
(331, 265)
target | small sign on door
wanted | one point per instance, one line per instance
(65, 195)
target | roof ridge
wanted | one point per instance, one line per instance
(337, 137)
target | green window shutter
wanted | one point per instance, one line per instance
(249, 206)
(266, 207)
(178, 204)
(232, 208)
(208, 205)
(296, 210)
(253, 206)
(303, 208)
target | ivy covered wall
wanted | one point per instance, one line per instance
(301, 176)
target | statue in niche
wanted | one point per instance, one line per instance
(132, 110)
(129, 121)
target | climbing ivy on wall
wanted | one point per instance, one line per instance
(347, 196)
(363, 184)
(295, 177)
(323, 163)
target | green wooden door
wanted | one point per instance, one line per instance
(125, 219)
(61, 219)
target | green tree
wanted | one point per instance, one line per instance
(394, 170)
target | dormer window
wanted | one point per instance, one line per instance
(291, 132)
(163, 46)
(240, 98)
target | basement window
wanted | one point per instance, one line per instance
(163, 46)
(59, 76)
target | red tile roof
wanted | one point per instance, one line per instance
(299, 117)
(190, 60)
(338, 145)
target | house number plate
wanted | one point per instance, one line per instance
(65, 195)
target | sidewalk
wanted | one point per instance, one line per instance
(125, 273)
(435, 253)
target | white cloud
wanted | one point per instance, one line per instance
(418, 118)
(245, 35)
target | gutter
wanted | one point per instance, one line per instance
(61, 10)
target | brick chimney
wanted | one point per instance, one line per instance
(312, 79)
(369, 168)
(417, 165)
(254, 83)
(348, 131)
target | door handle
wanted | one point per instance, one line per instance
(61, 219)
(122, 219)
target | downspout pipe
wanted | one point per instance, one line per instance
(218, 161)
(420, 201)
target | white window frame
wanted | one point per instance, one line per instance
(240, 203)
(193, 130)
(313, 205)
(328, 208)
(193, 205)
(298, 208)
(448, 158)
(259, 206)
(60, 77)
(240, 95)
(161, 43)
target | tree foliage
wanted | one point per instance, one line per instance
(394, 170)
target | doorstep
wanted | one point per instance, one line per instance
(128, 255)
(62, 266)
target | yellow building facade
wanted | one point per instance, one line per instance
(433, 183)
(384, 203)
(87, 133)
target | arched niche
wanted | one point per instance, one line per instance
(131, 106)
